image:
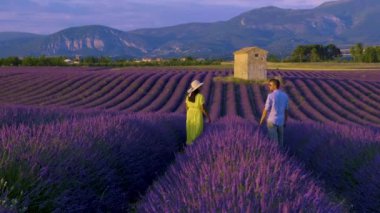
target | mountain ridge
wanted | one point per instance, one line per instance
(278, 30)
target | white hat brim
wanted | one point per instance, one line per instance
(193, 89)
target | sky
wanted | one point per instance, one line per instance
(50, 16)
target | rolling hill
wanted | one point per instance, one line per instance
(279, 30)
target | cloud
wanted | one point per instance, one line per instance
(48, 16)
(261, 3)
(17, 5)
(110, 4)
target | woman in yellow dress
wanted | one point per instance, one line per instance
(194, 112)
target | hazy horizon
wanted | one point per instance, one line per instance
(50, 16)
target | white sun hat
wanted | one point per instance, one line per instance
(194, 85)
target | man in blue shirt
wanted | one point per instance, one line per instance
(277, 106)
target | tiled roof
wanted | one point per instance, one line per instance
(249, 49)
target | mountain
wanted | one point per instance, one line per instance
(91, 40)
(86, 41)
(6, 36)
(362, 19)
(343, 22)
(19, 44)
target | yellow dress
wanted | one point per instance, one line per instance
(194, 118)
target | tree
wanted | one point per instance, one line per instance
(299, 54)
(105, 61)
(332, 52)
(30, 61)
(370, 55)
(315, 52)
(273, 58)
(11, 61)
(314, 55)
(90, 60)
(357, 52)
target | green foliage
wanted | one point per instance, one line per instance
(357, 52)
(188, 61)
(10, 198)
(10, 61)
(33, 61)
(370, 54)
(273, 58)
(104, 61)
(315, 53)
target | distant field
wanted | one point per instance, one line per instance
(324, 66)
(316, 66)
(344, 97)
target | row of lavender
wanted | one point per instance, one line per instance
(232, 168)
(313, 98)
(114, 91)
(57, 160)
(70, 161)
(369, 75)
(347, 158)
(101, 162)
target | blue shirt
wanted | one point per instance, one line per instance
(276, 104)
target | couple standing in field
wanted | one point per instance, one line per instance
(276, 104)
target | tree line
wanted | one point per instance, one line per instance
(320, 53)
(302, 53)
(315, 53)
(33, 61)
(103, 61)
(370, 54)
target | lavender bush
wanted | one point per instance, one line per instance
(367, 191)
(345, 157)
(31, 116)
(233, 168)
(101, 163)
(160, 96)
(174, 100)
(125, 93)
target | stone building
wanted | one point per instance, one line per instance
(250, 63)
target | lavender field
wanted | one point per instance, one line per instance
(110, 140)
(343, 97)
